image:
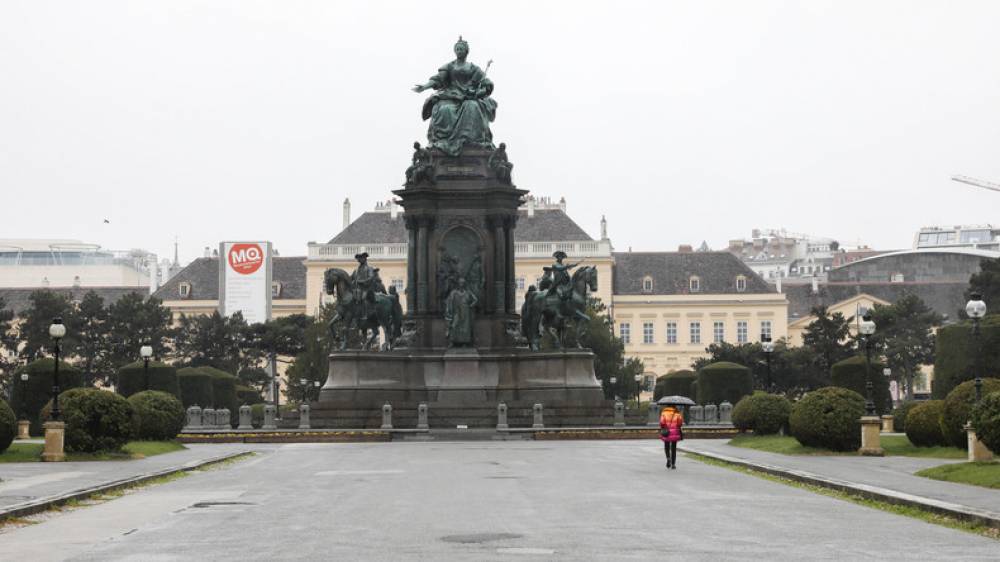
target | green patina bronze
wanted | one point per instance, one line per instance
(462, 109)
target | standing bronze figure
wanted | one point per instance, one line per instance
(459, 315)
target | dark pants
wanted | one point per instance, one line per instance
(670, 448)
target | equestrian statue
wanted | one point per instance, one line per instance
(559, 301)
(363, 306)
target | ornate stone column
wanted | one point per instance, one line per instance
(411, 264)
(510, 223)
(423, 263)
(499, 264)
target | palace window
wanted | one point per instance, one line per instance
(625, 332)
(398, 284)
(695, 329)
(184, 289)
(718, 332)
(765, 330)
(647, 284)
(647, 332)
(275, 289)
(671, 332)
(694, 284)
(520, 283)
(741, 284)
(742, 331)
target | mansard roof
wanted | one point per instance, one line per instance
(203, 275)
(671, 273)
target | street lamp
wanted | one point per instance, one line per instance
(867, 329)
(887, 373)
(24, 395)
(613, 381)
(305, 389)
(145, 352)
(57, 330)
(768, 346)
(317, 385)
(976, 309)
(638, 389)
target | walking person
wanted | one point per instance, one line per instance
(671, 422)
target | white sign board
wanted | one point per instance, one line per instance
(245, 280)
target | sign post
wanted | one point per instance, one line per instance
(245, 280)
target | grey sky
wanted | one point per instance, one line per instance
(680, 121)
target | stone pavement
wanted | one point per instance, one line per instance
(24, 482)
(892, 473)
(570, 500)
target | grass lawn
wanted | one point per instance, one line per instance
(31, 452)
(894, 445)
(985, 474)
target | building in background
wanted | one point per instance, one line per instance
(982, 237)
(778, 255)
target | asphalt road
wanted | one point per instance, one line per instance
(579, 500)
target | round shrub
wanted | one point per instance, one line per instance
(676, 383)
(958, 410)
(828, 418)
(764, 413)
(923, 424)
(96, 420)
(196, 387)
(899, 415)
(985, 418)
(156, 415)
(718, 382)
(38, 389)
(162, 377)
(8, 426)
(851, 374)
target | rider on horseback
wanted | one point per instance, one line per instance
(365, 283)
(557, 279)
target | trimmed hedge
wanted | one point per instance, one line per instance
(986, 420)
(850, 374)
(899, 415)
(156, 415)
(224, 391)
(96, 420)
(39, 388)
(162, 377)
(8, 426)
(196, 387)
(923, 424)
(958, 410)
(675, 383)
(247, 395)
(828, 418)
(765, 414)
(718, 382)
(955, 354)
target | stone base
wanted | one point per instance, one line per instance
(888, 424)
(23, 427)
(871, 445)
(55, 435)
(977, 451)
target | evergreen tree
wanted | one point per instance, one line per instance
(313, 362)
(609, 351)
(33, 331)
(9, 343)
(905, 335)
(211, 340)
(134, 321)
(89, 326)
(987, 283)
(829, 339)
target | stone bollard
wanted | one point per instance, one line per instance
(208, 418)
(422, 416)
(269, 417)
(977, 451)
(697, 415)
(304, 416)
(871, 444)
(653, 417)
(711, 414)
(193, 417)
(55, 441)
(387, 416)
(246, 417)
(619, 414)
(538, 422)
(502, 417)
(223, 419)
(23, 427)
(888, 424)
(726, 412)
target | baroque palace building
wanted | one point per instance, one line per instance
(667, 306)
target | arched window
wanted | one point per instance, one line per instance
(694, 284)
(741, 283)
(647, 284)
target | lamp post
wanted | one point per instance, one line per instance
(305, 389)
(976, 309)
(768, 346)
(638, 390)
(317, 386)
(145, 352)
(613, 381)
(24, 395)
(887, 373)
(867, 329)
(57, 330)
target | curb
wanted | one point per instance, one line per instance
(957, 511)
(41, 504)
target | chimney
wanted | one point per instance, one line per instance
(393, 209)
(684, 249)
(347, 212)
(207, 253)
(777, 283)
(562, 204)
(531, 206)
(815, 285)
(604, 228)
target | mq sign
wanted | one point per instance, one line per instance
(246, 258)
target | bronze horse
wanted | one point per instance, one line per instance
(379, 310)
(545, 310)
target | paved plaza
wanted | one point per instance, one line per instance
(579, 500)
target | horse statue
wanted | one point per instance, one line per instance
(352, 316)
(544, 309)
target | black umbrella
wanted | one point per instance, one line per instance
(675, 401)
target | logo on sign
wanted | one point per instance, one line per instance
(246, 258)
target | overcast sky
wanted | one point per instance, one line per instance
(681, 121)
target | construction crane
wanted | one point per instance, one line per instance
(977, 183)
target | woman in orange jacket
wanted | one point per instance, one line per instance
(671, 422)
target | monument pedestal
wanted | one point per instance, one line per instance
(55, 434)
(23, 429)
(871, 444)
(977, 451)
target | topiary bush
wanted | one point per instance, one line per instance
(247, 395)
(162, 377)
(899, 415)
(828, 418)
(8, 426)
(718, 382)
(257, 415)
(675, 383)
(96, 420)
(196, 387)
(955, 353)
(850, 373)
(224, 390)
(765, 414)
(986, 420)
(38, 389)
(156, 415)
(923, 424)
(958, 410)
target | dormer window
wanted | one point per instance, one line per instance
(694, 284)
(184, 289)
(647, 284)
(741, 283)
(276, 289)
